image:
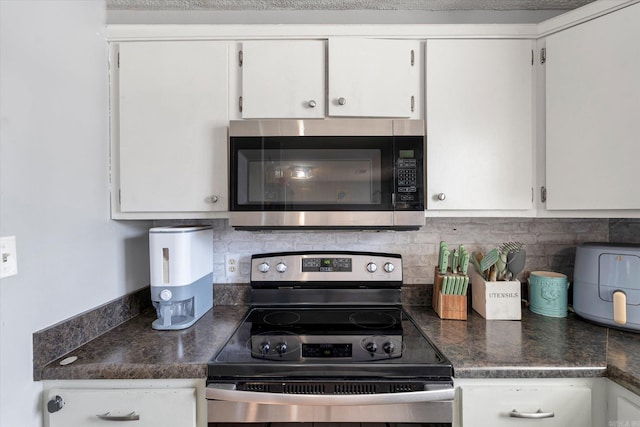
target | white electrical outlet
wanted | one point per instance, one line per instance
(232, 265)
(8, 257)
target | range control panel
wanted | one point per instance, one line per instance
(324, 266)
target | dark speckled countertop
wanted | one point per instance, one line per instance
(536, 347)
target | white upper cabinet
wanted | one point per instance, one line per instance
(283, 79)
(169, 142)
(479, 124)
(593, 114)
(373, 77)
(356, 78)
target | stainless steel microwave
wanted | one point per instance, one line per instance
(331, 173)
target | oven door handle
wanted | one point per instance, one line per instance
(228, 392)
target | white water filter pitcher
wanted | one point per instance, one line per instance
(181, 262)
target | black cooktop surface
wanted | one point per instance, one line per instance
(328, 342)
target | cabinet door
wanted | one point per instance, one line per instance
(372, 78)
(283, 79)
(479, 124)
(101, 407)
(623, 407)
(593, 113)
(547, 406)
(172, 100)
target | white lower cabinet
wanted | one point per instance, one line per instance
(623, 406)
(148, 403)
(576, 402)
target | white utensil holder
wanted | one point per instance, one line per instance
(495, 300)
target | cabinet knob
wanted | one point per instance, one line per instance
(342, 101)
(442, 196)
(312, 104)
(55, 404)
(214, 198)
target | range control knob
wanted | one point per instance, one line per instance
(264, 347)
(371, 347)
(372, 267)
(389, 347)
(281, 348)
(263, 267)
(388, 267)
(281, 267)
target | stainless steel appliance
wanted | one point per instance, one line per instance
(326, 340)
(333, 173)
(606, 284)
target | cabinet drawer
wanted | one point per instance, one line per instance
(154, 407)
(494, 405)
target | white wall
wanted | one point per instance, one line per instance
(54, 189)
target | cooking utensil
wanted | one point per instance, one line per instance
(501, 265)
(489, 259)
(516, 262)
(444, 262)
(511, 247)
(465, 285)
(475, 257)
(464, 264)
(443, 246)
(445, 285)
(455, 260)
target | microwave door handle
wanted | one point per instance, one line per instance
(228, 392)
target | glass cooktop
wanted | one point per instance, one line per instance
(328, 342)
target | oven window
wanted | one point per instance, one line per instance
(312, 173)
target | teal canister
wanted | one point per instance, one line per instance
(548, 293)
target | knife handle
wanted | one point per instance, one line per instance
(444, 262)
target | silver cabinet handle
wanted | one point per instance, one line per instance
(227, 392)
(129, 417)
(312, 104)
(342, 101)
(214, 198)
(537, 414)
(441, 196)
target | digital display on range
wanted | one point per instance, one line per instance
(326, 264)
(326, 350)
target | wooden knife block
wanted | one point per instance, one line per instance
(447, 306)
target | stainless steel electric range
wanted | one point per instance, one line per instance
(326, 340)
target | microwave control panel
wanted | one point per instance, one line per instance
(408, 184)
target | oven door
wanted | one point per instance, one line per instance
(326, 181)
(431, 406)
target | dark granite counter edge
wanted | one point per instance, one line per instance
(533, 372)
(125, 371)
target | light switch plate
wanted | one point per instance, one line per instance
(8, 257)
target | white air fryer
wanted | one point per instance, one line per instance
(606, 284)
(181, 261)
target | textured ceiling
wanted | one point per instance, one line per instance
(302, 5)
